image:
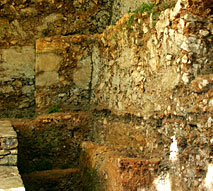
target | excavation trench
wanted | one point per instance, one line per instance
(100, 151)
(50, 152)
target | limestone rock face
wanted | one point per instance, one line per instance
(144, 80)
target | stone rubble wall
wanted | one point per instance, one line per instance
(163, 71)
(17, 77)
(158, 71)
(21, 23)
(151, 70)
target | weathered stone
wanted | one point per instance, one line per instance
(8, 143)
(6, 90)
(47, 62)
(16, 70)
(203, 33)
(47, 78)
(170, 79)
(18, 62)
(163, 22)
(96, 64)
(9, 176)
(4, 152)
(8, 160)
(82, 75)
(28, 89)
(10, 180)
(6, 130)
(29, 11)
(202, 83)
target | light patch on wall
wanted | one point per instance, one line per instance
(209, 178)
(173, 150)
(14, 189)
(163, 183)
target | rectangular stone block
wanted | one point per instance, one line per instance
(48, 62)
(8, 160)
(47, 78)
(18, 61)
(6, 130)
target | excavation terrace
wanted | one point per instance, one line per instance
(106, 95)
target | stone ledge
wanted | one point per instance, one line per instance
(6, 130)
(10, 180)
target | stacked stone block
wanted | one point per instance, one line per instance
(9, 174)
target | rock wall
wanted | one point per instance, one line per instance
(156, 69)
(21, 23)
(150, 69)
(17, 80)
(160, 72)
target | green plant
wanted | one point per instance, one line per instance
(150, 9)
(54, 109)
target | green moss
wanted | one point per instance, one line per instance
(144, 7)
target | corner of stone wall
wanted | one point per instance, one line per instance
(64, 70)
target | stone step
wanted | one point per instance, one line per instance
(10, 180)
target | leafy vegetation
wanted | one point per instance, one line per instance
(150, 9)
(54, 109)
